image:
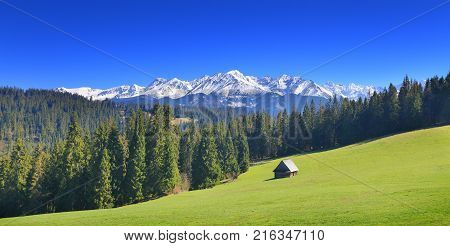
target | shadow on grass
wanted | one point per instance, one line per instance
(270, 179)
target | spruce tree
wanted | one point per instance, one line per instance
(170, 176)
(5, 171)
(404, 103)
(294, 132)
(231, 169)
(34, 180)
(117, 153)
(220, 141)
(154, 157)
(243, 155)
(74, 160)
(20, 165)
(20, 168)
(102, 197)
(205, 167)
(38, 162)
(416, 101)
(52, 178)
(135, 176)
(188, 143)
(391, 109)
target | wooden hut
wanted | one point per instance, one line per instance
(286, 168)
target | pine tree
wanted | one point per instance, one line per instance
(20, 168)
(294, 133)
(37, 168)
(220, 139)
(34, 180)
(20, 165)
(74, 169)
(5, 171)
(154, 158)
(188, 143)
(376, 115)
(404, 103)
(429, 116)
(135, 175)
(205, 167)
(102, 197)
(243, 155)
(391, 109)
(117, 153)
(51, 181)
(231, 166)
(416, 101)
(170, 176)
(261, 136)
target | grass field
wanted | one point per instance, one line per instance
(398, 180)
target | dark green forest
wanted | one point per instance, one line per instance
(102, 155)
(43, 116)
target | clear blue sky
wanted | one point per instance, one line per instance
(187, 39)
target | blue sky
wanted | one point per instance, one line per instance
(188, 39)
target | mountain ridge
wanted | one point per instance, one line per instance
(231, 84)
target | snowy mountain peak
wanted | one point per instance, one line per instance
(232, 84)
(351, 91)
(235, 73)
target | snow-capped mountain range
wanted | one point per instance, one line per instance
(232, 84)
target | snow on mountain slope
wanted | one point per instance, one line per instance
(124, 91)
(228, 85)
(351, 91)
(233, 83)
(285, 85)
(173, 88)
(82, 91)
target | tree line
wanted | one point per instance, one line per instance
(149, 159)
(342, 121)
(43, 116)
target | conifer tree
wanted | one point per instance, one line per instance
(205, 167)
(220, 140)
(154, 158)
(294, 132)
(74, 169)
(38, 162)
(5, 171)
(117, 153)
(403, 98)
(102, 197)
(416, 101)
(391, 109)
(170, 176)
(231, 166)
(135, 175)
(34, 180)
(20, 168)
(20, 165)
(52, 177)
(243, 156)
(188, 143)
(261, 136)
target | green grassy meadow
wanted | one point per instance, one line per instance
(398, 180)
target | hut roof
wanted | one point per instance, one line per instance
(286, 166)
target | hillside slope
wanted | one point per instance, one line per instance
(398, 180)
